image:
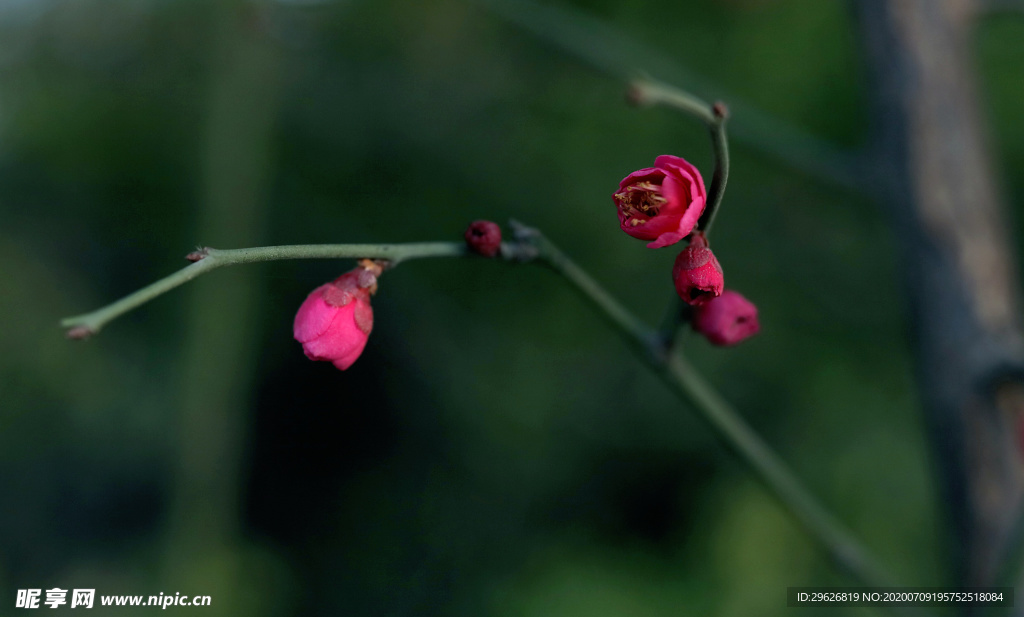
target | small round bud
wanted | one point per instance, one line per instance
(726, 320)
(484, 238)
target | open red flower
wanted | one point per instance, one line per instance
(335, 321)
(697, 274)
(661, 203)
(726, 320)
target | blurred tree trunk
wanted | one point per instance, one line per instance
(220, 353)
(936, 178)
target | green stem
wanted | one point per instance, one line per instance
(604, 47)
(677, 373)
(672, 368)
(720, 145)
(646, 91)
(676, 314)
(91, 323)
(619, 316)
(649, 92)
(841, 546)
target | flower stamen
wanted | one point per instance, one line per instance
(672, 192)
(640, 202)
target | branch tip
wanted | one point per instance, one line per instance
(721, 110)
(636, 96)
(79, 333)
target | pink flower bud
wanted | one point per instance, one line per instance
(336, 319)
(661, 203)
(726, 320)
(484, 237)
(697, 274)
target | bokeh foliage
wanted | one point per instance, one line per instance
(497, 450)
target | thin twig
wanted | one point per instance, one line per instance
(676, 314)
(612, 52)
(81, 326)
(531, 245)
(646, 91)
(677, 373)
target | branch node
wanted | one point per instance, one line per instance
(198, 254)
(524, 248)
(523, 232)
(521, 252)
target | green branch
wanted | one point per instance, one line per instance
(648, 92)
(672, 368)
(840, 545)
(610, 51)
(82, 326)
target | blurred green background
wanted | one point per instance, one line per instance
(497, 451)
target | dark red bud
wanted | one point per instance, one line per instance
(696, 274)
(726, 320)
(484, 238)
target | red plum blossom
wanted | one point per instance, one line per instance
(661, 203)
(335, 321)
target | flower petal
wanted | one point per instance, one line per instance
(349, 359)
(339, 340)
(314, 317)
(651, 174)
